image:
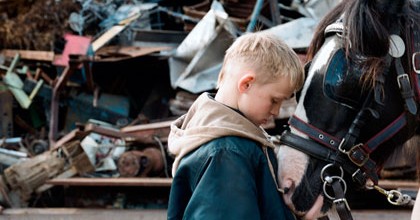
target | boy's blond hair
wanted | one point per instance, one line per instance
(267, 55)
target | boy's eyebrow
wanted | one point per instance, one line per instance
(280, 96)
(284, 97)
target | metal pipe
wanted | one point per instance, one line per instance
(254, 16)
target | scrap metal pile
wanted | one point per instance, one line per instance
(89, 88)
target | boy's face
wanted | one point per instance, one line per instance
(259, 102)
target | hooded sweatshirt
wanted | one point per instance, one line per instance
(223, 166)
(206, 120)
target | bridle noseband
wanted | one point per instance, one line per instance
(345, 152)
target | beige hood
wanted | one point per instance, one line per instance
(207, 120)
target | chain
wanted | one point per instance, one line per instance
(395, 197)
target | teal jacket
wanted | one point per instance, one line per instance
(224, 170)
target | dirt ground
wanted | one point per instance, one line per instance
(103, 214)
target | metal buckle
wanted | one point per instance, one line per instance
(358, 177)
(341, 145)
(342, 200)
(416, 56)
(357, 149)
(401, 77)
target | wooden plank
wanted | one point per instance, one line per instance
(379, 214)
(114, 53)
(113, 31)
(79, 181)
(66, 174)
(74, 134)
(158, 214)
(111, 132)
(145, 127)
(30, 54)
(107, 36)
(399, 184)
(82, 213)
(147, 133)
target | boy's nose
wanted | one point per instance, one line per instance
(275, 111)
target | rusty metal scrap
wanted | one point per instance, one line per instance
(104, 144)
(6, 112)
(8, 153)
(143, 163)
(144, 133)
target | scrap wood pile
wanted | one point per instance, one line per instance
(34, 25)
(93, 150)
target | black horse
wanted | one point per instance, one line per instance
(359, 102)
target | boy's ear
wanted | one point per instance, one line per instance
(245, 82)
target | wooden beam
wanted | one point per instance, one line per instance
(30, 54)
(116, 53)
(111, 132)
(145, 127)
(113, 31)
(74, 134)
(141, 181)
(399, 184)
(147, 132)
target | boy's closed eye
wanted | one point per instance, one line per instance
(292, 96)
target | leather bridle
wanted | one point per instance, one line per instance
(345, 153)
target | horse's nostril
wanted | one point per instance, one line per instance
(288, 186)
(287, 183)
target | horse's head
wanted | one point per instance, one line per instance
(351, 113)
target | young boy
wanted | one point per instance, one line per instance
(223, 166)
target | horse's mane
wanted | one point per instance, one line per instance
(368, 25)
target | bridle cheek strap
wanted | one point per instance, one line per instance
(343, 208)
(320, 152)
(357, 154)
(414, 59)
(326, 147)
